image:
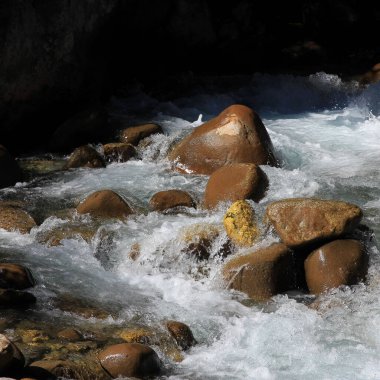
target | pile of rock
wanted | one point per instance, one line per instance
(317, 245)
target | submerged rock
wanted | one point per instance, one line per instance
(130, 360)
(341, 262)
(133, 135)
(69, 334)
(240, 224)
(182, 334)
(47, 369)
(105, 204)
(15, 276)
(9, 169)
(119, 152)
(302, 221)
(236, 135)
(10, 356)
(85, 156)
(169, 199)
(262, 273)
(84, 308)
(15, 219)
(54, 237)
(199, 240)
(235, 182)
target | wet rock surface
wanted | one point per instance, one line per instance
(85, 156)
(169, 199)
(105, 204)
(235, 182)
(341, 262)
(237, 135)
(130, 360)
(262, 273)
(302, 221)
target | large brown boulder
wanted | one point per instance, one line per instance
(85, 156)
(133, 135)
(240, 224)
(119, 152)
(10, 355)
(235, 182)
(14, 276)
(341, 262)
(15, 219)
(237, 135)
(262, 273)
(302, 221)
(168, 199)
(105, 204)
(10, 172)
(130, 360)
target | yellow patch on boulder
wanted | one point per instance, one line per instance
(240, 224)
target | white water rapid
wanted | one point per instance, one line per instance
(327, 135)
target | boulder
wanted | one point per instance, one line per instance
(105, 204)
(15, 276)
(341, 262)
(240, 224)
(262, 273)
(235, 182)
(130, 360)
(140, 335)
(168, 199)
(15, 219)
(119, 152)
(16, 299)
(133, 135)
(10, 355)
(85, 156)
(302, 221)
(85, 308)
(69, 334)
(237, 135)
(181, 334)
(9, 169)
(88, 126)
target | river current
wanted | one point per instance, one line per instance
(326, 133)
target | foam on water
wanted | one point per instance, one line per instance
(327, 134)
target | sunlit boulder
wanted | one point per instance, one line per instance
(262, 273)
(303, 221)
(236, 135)
(341, 262)
(105, 204)
(235, 182)
(240, 224)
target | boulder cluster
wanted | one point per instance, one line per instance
(317, 246)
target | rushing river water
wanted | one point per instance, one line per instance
(327, 135)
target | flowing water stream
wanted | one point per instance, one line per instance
(327, 135)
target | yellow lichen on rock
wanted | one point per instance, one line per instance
(240, 224)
